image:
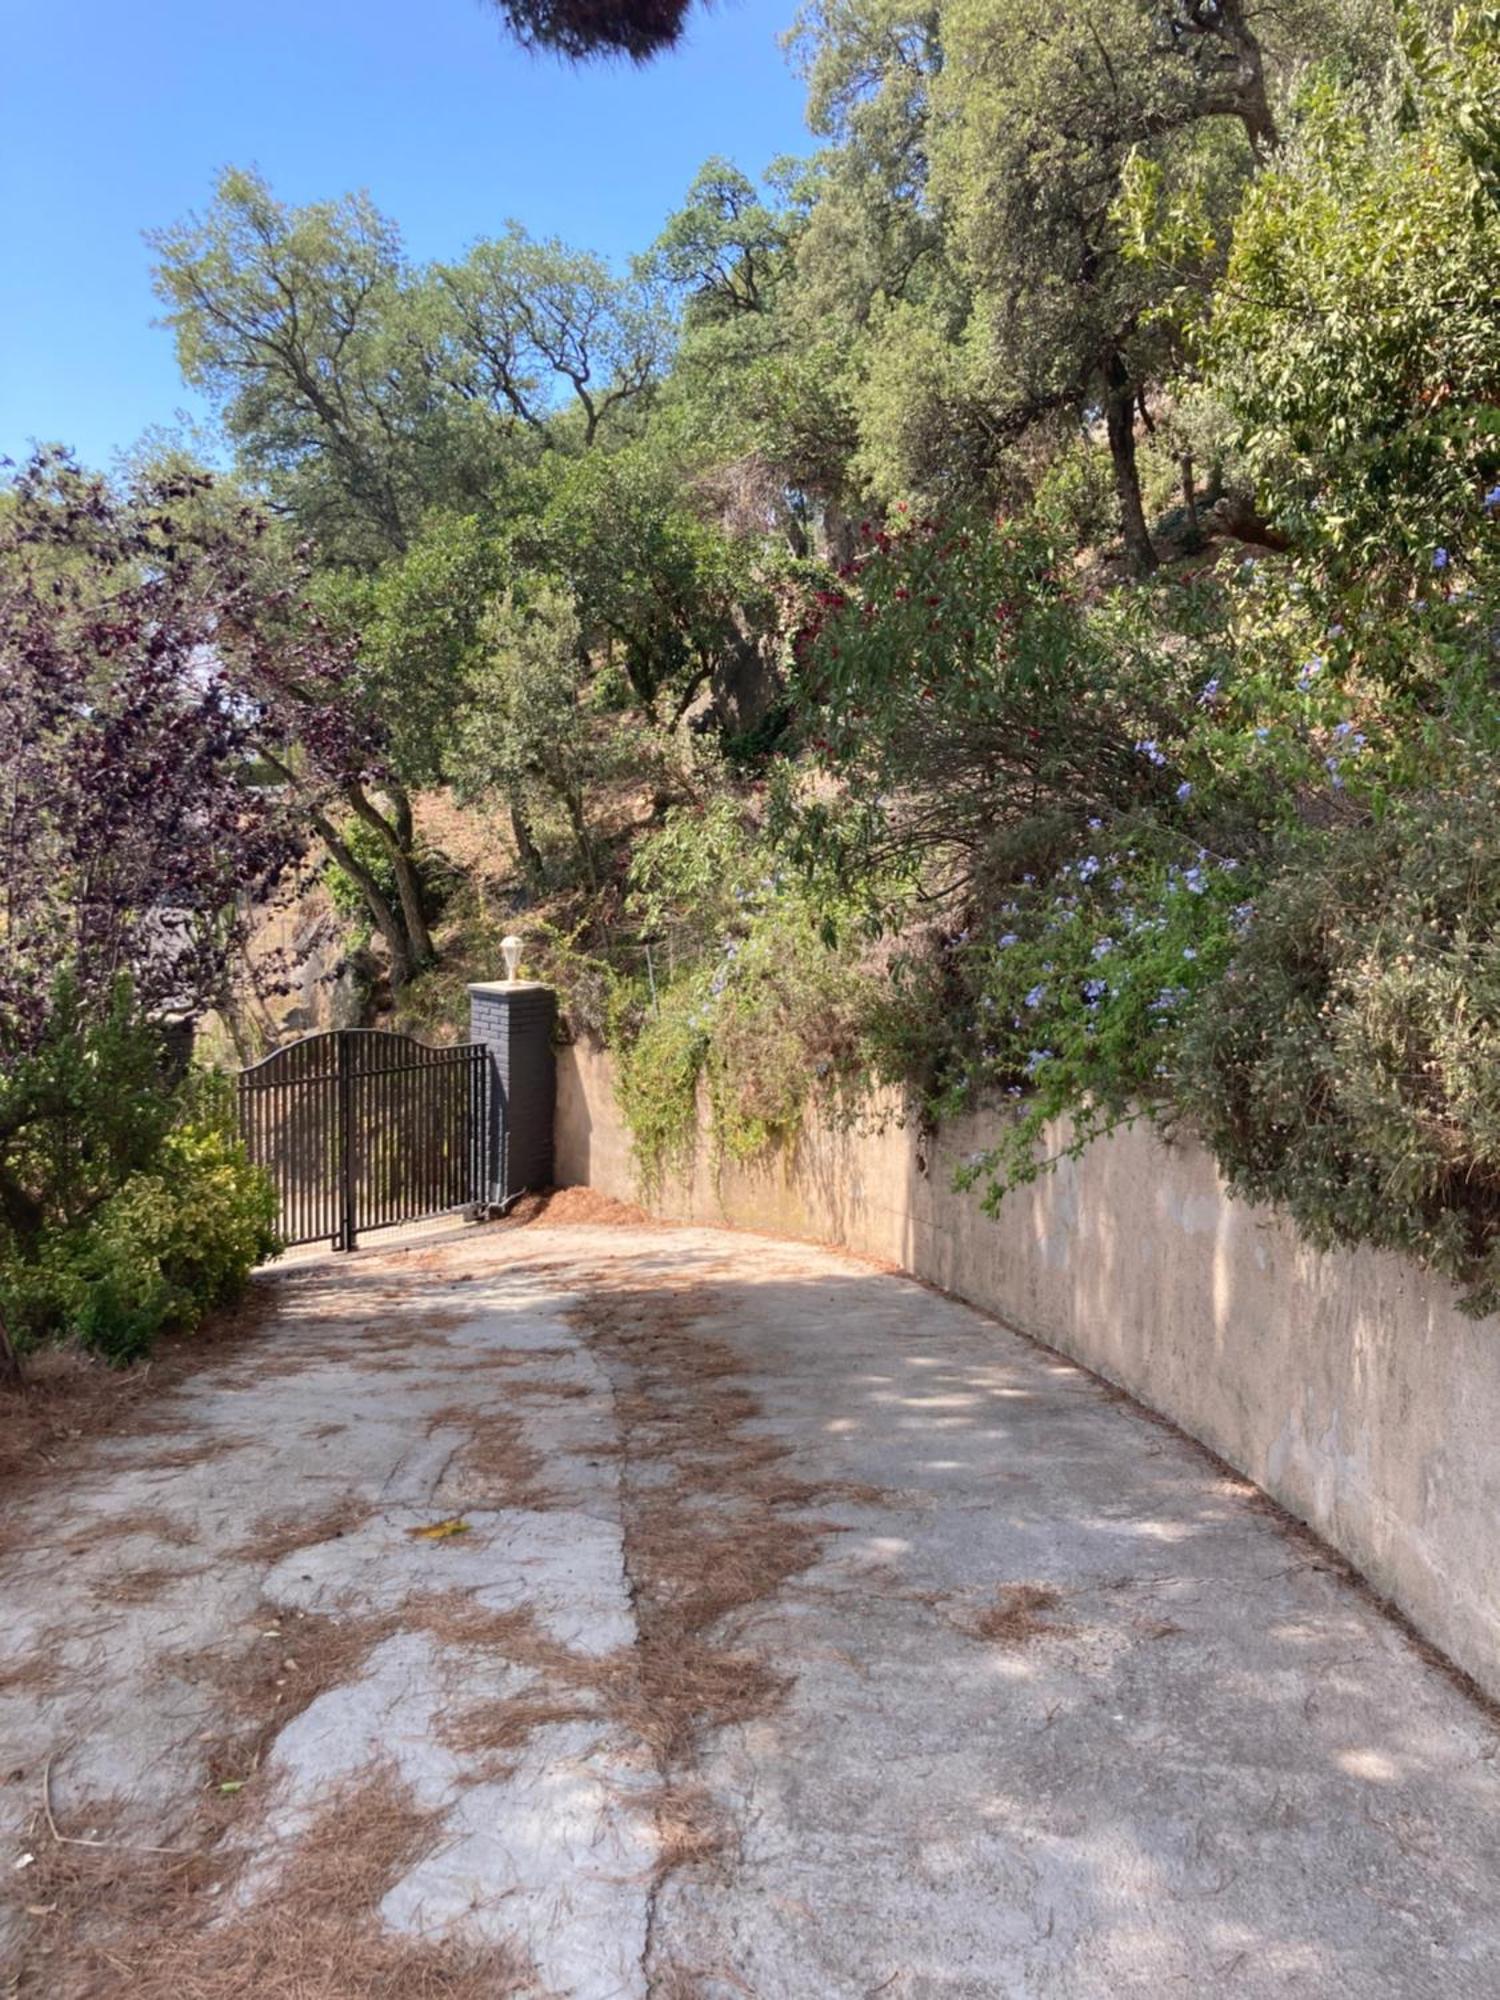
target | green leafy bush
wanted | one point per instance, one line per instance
(127, 1204)
(1348, 1069)
(769, 1004)
(658, 1086)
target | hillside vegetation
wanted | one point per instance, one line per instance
(1007, 605)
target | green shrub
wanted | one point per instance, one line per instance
(83, 1107)
(768, 1005)
(1348, 1070)
(659, 1072)
(776, 1017)
(143, 1211)
(1076, 494)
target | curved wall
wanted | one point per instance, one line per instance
(1345, 1385)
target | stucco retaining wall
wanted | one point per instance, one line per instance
(1345, 1385)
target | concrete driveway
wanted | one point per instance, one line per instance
(610, 1611)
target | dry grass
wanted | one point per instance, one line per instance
(567, 1207)
(118, 1921)
(152, 1523)
(545, 1392)
(261, 1685)
(140, 1586)
(683, 1982)
(180, 1457)
(716, 1538)
(71, 1398)
(277, 1536)
(496, 1467)
(661, 1692)
(691, 1827)
(494, 1730)
(34, 1673)
(1020, 1614)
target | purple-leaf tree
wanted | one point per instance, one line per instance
(170, 720)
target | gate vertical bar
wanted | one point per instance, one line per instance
(348, 1216)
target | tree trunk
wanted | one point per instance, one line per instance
(12, 1375)
(385, 919)
(401, 816)
(1119, 417)
(398, 941)
(527, 851)
(408, 882)
(573, 801)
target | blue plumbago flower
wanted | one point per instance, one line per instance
(1088, 868)
(1208, 693)
(1420, 604)
(1440, 558)
(1261, 735)
(1035, 1060)
(1149, 750)
(1094, 990)
(1095, 824)
(1013, 1090)
(1492, 499)
(1192, 879)
(1343, 729)
(1036, 996)
(1228, 864)
(1103, 948)
(1188, 951)
(1311, 671)
(1241, 914)
(1004, 943)
(1117, 885)
(1184, 790)
(1335, 631)
(1048, 966)
(1331, 765)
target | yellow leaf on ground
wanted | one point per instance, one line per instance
(440, 1531)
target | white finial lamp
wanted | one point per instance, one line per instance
(510, 951)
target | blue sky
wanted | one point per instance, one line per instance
(115, 119)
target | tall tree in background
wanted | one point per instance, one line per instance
(370, 400)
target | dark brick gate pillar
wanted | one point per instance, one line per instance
(514, 1018)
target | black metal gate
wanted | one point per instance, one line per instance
(360, 1128)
